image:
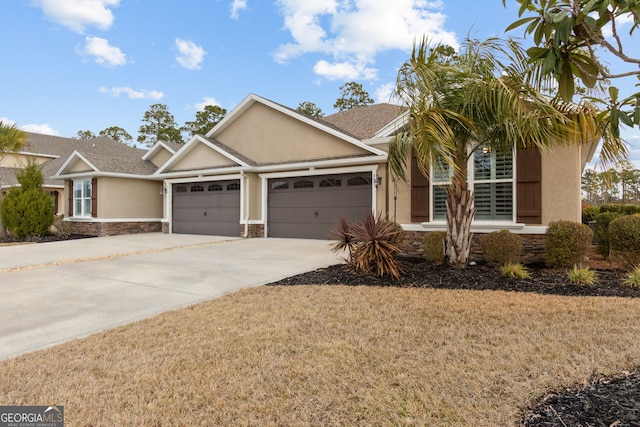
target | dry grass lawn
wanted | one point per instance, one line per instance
(311, 355)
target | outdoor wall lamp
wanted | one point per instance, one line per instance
(377, 180)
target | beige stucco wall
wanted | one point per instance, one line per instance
(202, 157)
(561, 172)
(160, 157)
(266, 135)
(253, 197)
(129, 198)
(17, 160)
(77, 166)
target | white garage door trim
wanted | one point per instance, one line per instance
(265, 177)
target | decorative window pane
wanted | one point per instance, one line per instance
(442, 172)
(303, 184)
(214, 187)
(279, 185)
(181, 189)
(494, 201)
(358, 180)
(330, 182)
(440, 202)
(197, 188)
(82, 198)
(233, 187)
(490, 164)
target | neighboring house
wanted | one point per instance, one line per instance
(269, 171)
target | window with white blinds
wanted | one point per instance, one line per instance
(491, 178)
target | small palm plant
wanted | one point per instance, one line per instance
(372, 246)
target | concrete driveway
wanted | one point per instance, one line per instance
(55, 292)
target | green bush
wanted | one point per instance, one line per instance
(582, 276)
(515, 271)
(501, 247)
(433, 245)
(589, 214)
(633, 278)
(601, 231)
(567, 243)
(28, 210)
(624, 237)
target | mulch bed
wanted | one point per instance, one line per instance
(43, 239)
(606, 402)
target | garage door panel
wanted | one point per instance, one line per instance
(207, 212)
(313, 212)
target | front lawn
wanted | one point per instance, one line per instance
(333, 355)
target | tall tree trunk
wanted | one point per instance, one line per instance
(460, 212)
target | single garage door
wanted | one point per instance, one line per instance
(309, 207)
(207, 208)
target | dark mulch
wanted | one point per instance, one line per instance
(43, 239)
(607, 402)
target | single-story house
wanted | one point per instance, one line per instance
(267, 170)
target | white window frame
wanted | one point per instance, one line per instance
(83, 200)
(439, 184)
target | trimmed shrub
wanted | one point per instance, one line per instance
(515, 271)
(601, 231)
(373, 246)
(589, 214)
(567, 243)
(28, 210)
(624, 237)
(433, 245)
(501, 247)
(582, 276)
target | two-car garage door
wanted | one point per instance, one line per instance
(309, 207)
(299, 207)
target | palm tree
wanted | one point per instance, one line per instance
(11, 138)
(469, 101)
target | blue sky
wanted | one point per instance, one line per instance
(75, 65)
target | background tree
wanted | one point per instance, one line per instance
(569, 40)
(11, 138)
(310, 109)
(352, 95)
(119, 134)
(468, 103)
(28, 210)
(85, 134)
(158, 125)
(205, 120)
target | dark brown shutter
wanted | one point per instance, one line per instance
(70, 198)
(94, 197)
(529, 186)
(419, 194)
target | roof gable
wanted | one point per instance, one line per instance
(366, 122)
(201, 153)
(269, 133)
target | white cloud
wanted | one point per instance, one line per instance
(384, 93)
(344, 70)
(45, 129)
(132, 93)
(354, 32)
(77, 15)
(190, 55)
(104, 53)
(206, 101)
(7, 121)
(237, 6)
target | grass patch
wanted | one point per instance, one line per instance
(333, 355)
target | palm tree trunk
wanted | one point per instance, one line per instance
(460, 212)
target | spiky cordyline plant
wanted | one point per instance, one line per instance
(372, 246)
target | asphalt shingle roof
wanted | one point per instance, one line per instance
(104, 153)
(364, 122)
